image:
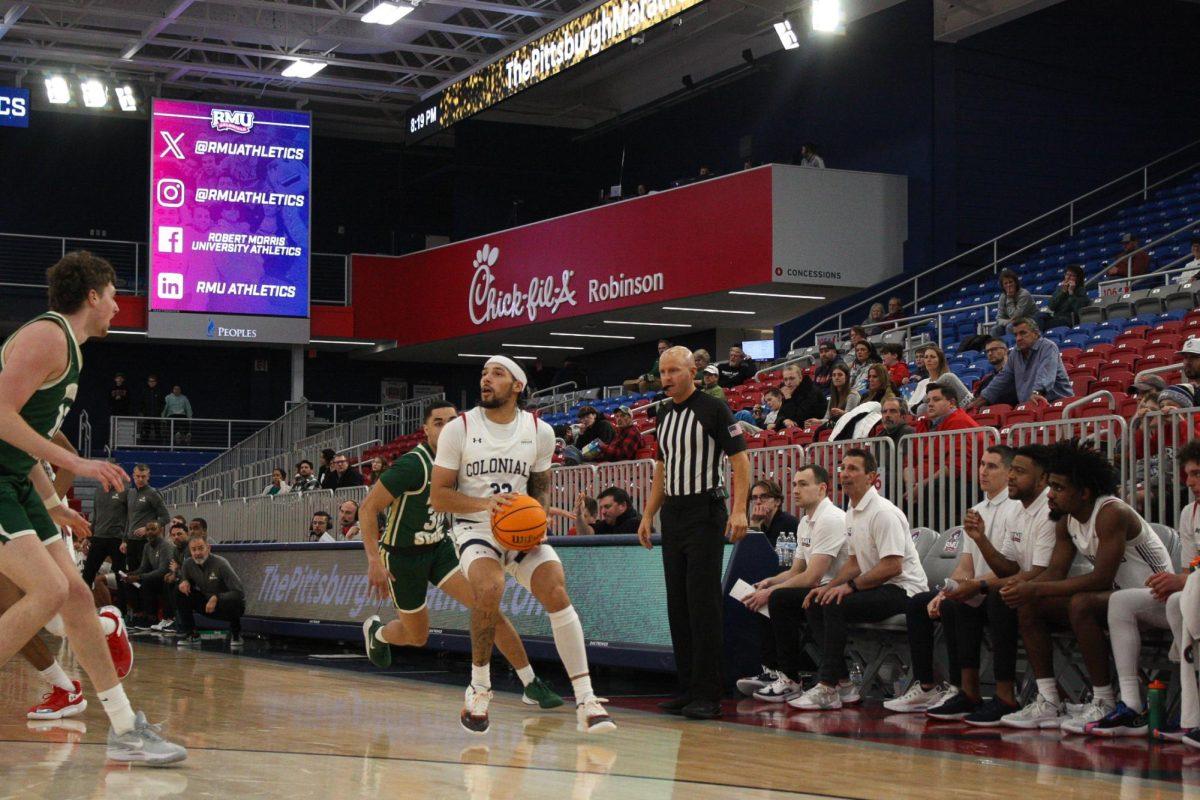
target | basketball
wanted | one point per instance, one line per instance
(520, 525)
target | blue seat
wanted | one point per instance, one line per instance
(1103, 337)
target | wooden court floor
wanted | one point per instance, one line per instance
(258, 728)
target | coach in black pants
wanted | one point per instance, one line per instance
(695, 433)
(108, 532)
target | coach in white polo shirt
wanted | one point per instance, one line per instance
(882, 572)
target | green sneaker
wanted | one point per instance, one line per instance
(539, 693)
(379, 653)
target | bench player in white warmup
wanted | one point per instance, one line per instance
(485, 457)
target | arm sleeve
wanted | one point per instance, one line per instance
(187, 407)
(1187, 536)
(891, 533)
(1007, 548)
(450, 445)
(829, 536)
(148, 569)
(406, 475)
(964, 393)
(1047, 368)
(1026, 305)
(233, 585)
(725, 430)
(1003, 381)
(852, 400)
(545, 447)
(1043, 542)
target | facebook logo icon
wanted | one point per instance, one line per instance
(170, 240)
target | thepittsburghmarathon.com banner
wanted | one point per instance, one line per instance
(229, 209)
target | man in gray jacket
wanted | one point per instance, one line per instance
(109, 516)
(211, 587)
(151, 576)
(145, 505)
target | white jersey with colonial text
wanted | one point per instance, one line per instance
(1145, 554)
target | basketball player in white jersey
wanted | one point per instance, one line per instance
(484, 458)
(1123, 551)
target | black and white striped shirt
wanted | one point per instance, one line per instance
(692, 439)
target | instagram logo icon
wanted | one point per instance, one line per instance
(170, 192)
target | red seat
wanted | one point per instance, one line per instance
(1090, 360)
(1128, 406)
(1099, 349)
(1137, 333)
(1125, 360)
(1157, 359)
(1021, 414)
(1194, 314)
(1055, 409)
(994, 415)
(1131, 346)
(1096, 408)
(1172, 340)
(1170, 327)
(1115, 382)
(1070, 355)
(824, 434)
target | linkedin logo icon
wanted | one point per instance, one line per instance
(170, 286)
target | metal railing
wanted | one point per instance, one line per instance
(991, 255)
(180, 433)
(321, 411)
(1159, 277)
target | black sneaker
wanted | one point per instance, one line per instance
(989, 713)
(702, 709)
(1121, 721)
(1192, 738)
(675, 705)
(185, 639)
(957, 707)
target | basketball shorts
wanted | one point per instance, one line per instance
(22, 512)
(475, 541)
(414, 568)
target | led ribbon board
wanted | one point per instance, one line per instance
(572, 43)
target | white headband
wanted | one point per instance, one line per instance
(510, 365)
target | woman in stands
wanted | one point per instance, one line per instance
(279, 483)
(1014, 302)
(865, 355)
(1068, 300)
(934, 361)
(841, 398)
(879, 385)
(378, 465)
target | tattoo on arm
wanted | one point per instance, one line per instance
(539, 487)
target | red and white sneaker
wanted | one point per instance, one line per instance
(118, 642)
(58, 703)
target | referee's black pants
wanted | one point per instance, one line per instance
(693, 546)
(101, 548)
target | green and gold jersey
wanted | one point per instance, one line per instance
(46, 409)
(410, 520)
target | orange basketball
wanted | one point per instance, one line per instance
(520, 525)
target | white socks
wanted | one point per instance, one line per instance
(1131, 694)
(481, 676)
(108, 625)
(116, 705)
(1104, 694)
(525, 673)
(568, 639)
(56, 627)
(379, 637)
(1048, 688)
(56, 676)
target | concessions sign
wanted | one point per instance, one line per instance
(705, 238)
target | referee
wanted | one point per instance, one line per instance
(695, 431)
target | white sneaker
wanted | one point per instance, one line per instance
(917, 700)
(592, 717)
(748, 686)
(474, 716)
(818, 698)
(143, 744)
(1041, 713)
(849, 692)
(780, 690)
(1091, 712)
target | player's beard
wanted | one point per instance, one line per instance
(1056, 514)
(496, 402)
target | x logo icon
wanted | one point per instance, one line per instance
(172, 145)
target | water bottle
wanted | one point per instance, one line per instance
(950, 585)
(856, 674)
(780, 546)
(790, 544)
(1156, 707)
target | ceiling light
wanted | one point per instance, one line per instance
(126, 98)
(708, 310)
(387, 14)
(594, 335)
(788, 296)
(112, 331)
(57, 90)
(544, 346)
(482, 355)
(303, 69)
(827, 16)
(95, 94)
(648, 324)
(787, 36)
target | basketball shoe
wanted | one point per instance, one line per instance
(118, 642)
(59, 703)
(474, 716)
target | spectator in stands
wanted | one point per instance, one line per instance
(178, 408)
(765, 414)
(625, 442)
(614, 514)
(278, 484)
(928, 481)
(327, 456)
(865, 355)
(934, 361)
(737, 370)
(150, 574)
(197, 525)
(893, 424)
(802, 399)
(1192, 268)
(997, 355)
(648, 381)
(1068, 300)
(152, 406)
(1015, 303)
(841, 399)
(857, 334)
(319, 527)
(1136, 264)
(539, 374)
(960, 695)
(209, 586)
(1124, 553)
(880, 574)
(874, 321)
(378, 465)
(119, 403)
(1034, 371)
(821, 549)
(703, 359)
(827, 356)
(342, 475)
(710, 382)
(304, 480)
(809, 157)
(766, 512)
(348, 519)
(895, 309)
(1191, 363)
(586, 512)
(879, 385)
(892, 355)
(593, 427)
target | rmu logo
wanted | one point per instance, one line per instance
(224, 119)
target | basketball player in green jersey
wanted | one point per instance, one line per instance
(415, 551)
(39, 377)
